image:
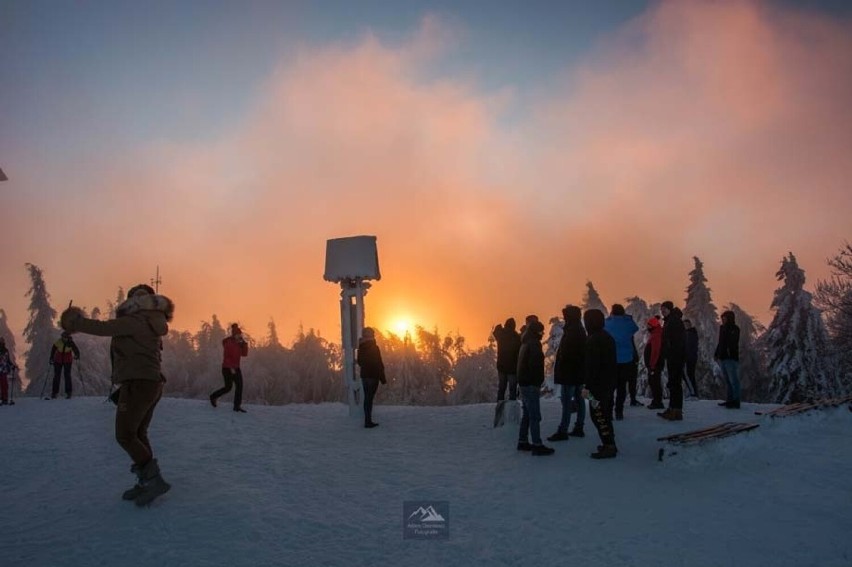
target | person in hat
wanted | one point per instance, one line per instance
(372, 372)
(136, 352)
(235, 347)
(601, 369)
(508, 347)
(728, 355)
(569, 372)
(62, 355)
(6, 369)
(622, 327)
(530, 379)
(674, 352)
(654, 361)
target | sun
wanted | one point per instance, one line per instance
(402, 325)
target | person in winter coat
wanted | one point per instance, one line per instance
(7, 367)
(601, 374)
(728, 356)
(372, 372)
(654, 362)
(62, 355)
(568, 371)
(508, 347)
(530, 379)
(135, 349)
(691, 357)
(234, 348)
(674, 351)
(622, 327)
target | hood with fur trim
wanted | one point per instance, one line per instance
(139, 303)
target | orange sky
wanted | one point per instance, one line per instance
(716, 129)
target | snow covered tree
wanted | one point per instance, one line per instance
(700, 310)
(592, 300)
(637, 308)
(752, 370)
(40, 332)
(834, 297)
(551, 345)
(796, 342)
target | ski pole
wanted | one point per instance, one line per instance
(80, 378)
(46, 378)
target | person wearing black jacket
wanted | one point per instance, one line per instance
(728, 355)
(372, 372)
(530, 379)
(674, 352)
(568, 372)
(601, 373)
(691, 357)
(508, 347)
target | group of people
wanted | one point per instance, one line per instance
(597, 360)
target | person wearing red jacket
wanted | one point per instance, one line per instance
(62, 354)
(654, 362)
(235, 347)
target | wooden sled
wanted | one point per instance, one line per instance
(701, 435)
(802, 407)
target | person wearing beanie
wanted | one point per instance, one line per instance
(62, 355)
(372, 372)
(622, 327)
(674, 353)
(601, 373)
(234, 347)
(728, 355)
(508, 347)
(135, 350)
(530, 379)
(569, 373)
(654, 361)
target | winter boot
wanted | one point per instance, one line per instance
(655, 405)
(240, 410)
(619, 415)
(605, 452)
(723, 404)
(213, 401)
(371, 424)
(672, 414)
(152, 483)
(732, 405)
(636, 403)
(132, 493)
(560, 435)
(542, 450)
(524, 446)
(577, 431)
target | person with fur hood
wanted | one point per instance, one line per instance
(601, 374)
(568, 371)
(135, 350)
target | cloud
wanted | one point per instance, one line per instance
(700, 128)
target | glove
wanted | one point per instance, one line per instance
(69, 318)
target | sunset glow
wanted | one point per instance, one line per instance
(614, 147)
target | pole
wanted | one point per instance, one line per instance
(80, 378)
(46, 378)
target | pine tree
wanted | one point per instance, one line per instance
(40, 332)
(637, 308)
(834, 297)
(592, 300)
(796, 342)
(752, 370)
(700, 310)
(7, 334)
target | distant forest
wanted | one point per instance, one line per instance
(803, 354)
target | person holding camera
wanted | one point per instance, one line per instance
(136, 352)
(235, 347)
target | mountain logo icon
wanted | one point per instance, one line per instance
(426, 515)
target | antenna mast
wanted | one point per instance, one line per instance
(156, 281)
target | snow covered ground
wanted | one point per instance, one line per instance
(303, 485)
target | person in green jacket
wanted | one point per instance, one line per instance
(135, 350)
